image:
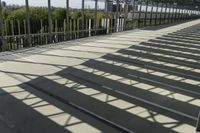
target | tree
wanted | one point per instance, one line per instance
(6, 13)
(76, 15)
(18, 14)
(38, 13)
(101, 15)
(35, 14)
(59, 14)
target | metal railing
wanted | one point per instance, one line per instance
(17, 34)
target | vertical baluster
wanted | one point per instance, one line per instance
(133, 12)
(151, 14)
(95, 17)
(67, 21)
(83, 16)
(2, 39)
(156, 17)
(146, 12)
(50, 25)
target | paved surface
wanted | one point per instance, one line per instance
(136, 81)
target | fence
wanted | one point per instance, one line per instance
(16, 34)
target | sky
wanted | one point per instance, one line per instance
(55, 3)
(59, 3)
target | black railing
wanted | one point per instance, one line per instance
(18, 34)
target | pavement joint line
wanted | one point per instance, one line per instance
(125, 129)
(166, 70)
(145, 101)
(83, 109)
(185, 64)
(151, 103)
(25, 58)
(192, 92)
(157, 105)
(74, 105)
(172, 71)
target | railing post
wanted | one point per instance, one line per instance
(49, 21)
(161, 12)
(12, 27)
(179, 16)
(151, 15)
(6, 26)
(185, 14)
(25, 27)
(28, 25)
(2, 41)
(125, 14)
(95, 17)
(67, 20)
(41, 26)
(107, 17)
(175, 18)
(117, 15)
(139, 17)
(83, 17)
(19, 27)
(156, 13)
(198, 13)
(133, 8)
(146, 11)
(188, 17)
(89, 27)
(172, 15)
(165, 15)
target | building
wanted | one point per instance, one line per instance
(4, 4)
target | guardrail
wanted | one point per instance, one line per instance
(21, 41)
(16, 34)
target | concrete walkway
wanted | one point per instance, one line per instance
(137, 81)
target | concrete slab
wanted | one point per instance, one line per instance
(101, 84)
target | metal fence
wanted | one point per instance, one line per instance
(16, 34)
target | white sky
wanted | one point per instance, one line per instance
(59, 3)
(55, 3)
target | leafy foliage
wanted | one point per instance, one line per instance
(59, 14)
(18, 14)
